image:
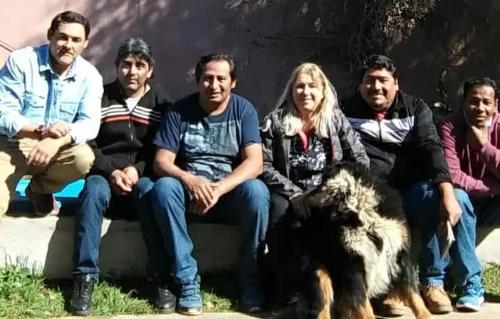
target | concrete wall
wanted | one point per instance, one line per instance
(268, 38)
(47, 245)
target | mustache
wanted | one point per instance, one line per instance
(62, 51)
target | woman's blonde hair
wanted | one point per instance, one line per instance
(291, 121)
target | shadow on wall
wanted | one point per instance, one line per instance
(270, 37)
(267, 38)
(460, 37)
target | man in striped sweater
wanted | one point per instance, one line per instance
(130, 114)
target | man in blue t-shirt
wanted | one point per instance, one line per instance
(209, 155)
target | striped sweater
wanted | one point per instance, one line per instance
(125, 137)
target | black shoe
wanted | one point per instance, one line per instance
(45, 204)
(164, 300)
(81, 301)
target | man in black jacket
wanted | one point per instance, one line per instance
(405, 151)
(130, 113)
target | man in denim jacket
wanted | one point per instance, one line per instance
(50, 101)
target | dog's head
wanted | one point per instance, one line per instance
(346, 194)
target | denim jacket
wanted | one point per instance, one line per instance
(31, 92)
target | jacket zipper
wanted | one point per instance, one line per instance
(379, 122)
(131, 140)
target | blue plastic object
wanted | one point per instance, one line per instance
(69, 191)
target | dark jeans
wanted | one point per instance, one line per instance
(95, 200)
(279, 206)
(282, 263)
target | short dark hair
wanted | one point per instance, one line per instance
(204, 60)
(136, 47)
(69, 17)
(470, 84)
(378, 62)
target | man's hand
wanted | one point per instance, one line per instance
(477, 137)
(132, 174)
(56, 130)
(199, 187)
(201, 191)
(43, 152)
(120, 182)
(199, 208)
(450, 210)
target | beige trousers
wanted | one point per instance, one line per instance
(71, 163)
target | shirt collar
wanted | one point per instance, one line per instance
(43, 58)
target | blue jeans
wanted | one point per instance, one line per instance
(422, 208)
(94, 201)
(158, 264)
(247, 206)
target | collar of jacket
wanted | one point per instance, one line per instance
(394, 110)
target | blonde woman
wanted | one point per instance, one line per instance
(304, 135)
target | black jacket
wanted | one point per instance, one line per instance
(125, 138)
(346, 146)
(404, 147)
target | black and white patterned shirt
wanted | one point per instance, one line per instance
(307, 166)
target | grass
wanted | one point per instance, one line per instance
(491, 279)
(24, 293)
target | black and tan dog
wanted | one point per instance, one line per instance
(354, 245)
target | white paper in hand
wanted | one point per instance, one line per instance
(445, 237)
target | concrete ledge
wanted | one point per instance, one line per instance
(47, 244)
(488, 247)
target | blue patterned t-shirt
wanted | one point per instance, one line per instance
(206, 145)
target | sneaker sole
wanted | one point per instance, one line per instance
(468, 307)
(190, 311)
(165, 311)
(81, 313)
